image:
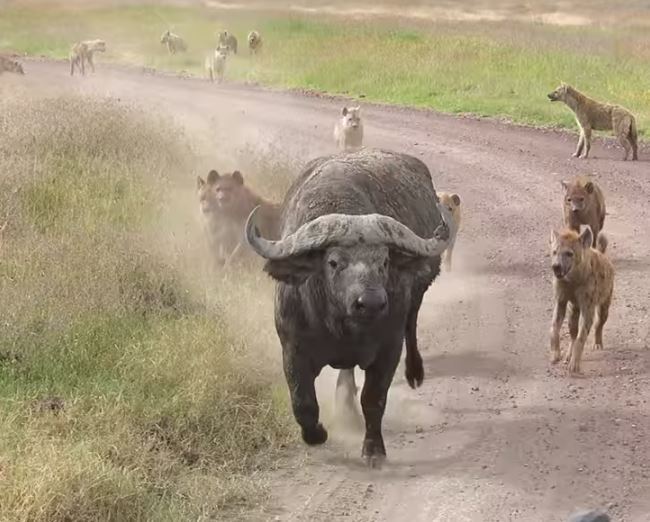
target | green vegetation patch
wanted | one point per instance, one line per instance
(125, 393)
(492, 69)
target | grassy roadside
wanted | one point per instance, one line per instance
(127, 392)
(491, 69)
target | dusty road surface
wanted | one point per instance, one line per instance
(495, 433)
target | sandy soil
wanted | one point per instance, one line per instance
(495, 433)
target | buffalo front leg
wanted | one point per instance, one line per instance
(413, 363)
(300, 376)
(373, 403)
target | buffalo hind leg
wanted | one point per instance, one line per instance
(373, 402)
(414, 366)
(300, 377)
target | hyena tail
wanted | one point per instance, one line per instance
(602, 242)
(634, 139)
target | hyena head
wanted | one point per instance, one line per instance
(577, 194)
(15, 67)
(219, 192)
(351, 117)
(559, 94)
(165, 37)
(568, 249)
(223, 37)
(98, 45)
(451, 201)
(222, 52)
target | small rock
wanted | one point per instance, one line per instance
(589, 516)
(419, 429)
(475, 388)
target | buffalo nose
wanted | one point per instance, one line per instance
(371, 302)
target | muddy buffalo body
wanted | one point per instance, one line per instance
(361, 240)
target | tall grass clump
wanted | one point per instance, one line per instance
(124, 394)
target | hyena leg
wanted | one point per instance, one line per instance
(587, 142)
(90, 62)
(71, 66)
(578, 345)
(447, 258)
(581, 144)
(345, 405)
(558, 318)
(574, 320)
(603, 314)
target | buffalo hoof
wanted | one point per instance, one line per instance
(375, 461)
(374, 453)
(314, 436)
(415, 371)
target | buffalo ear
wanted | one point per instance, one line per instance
(417, 266)
(294, 270)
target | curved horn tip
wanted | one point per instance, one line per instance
(442, 232)
(252, 230)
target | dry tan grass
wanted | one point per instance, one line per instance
(164, 406)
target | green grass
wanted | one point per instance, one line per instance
(490, 69)
(172, 400)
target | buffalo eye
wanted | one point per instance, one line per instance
(333, 264)
(386, 263)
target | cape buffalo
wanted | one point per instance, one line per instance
(362, 234)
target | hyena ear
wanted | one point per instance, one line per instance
(589, 187)
(237, 176)
(554, 237)
(344, 111)
(358, 108)
(586, 237)
(200, 182)
(213, 176)
(565, 185)
(456, 199)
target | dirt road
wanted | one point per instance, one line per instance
(495, 433)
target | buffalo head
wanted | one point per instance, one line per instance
(353, 255)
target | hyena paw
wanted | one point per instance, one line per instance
(574, 367)
(555, 357)
(598, 347)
